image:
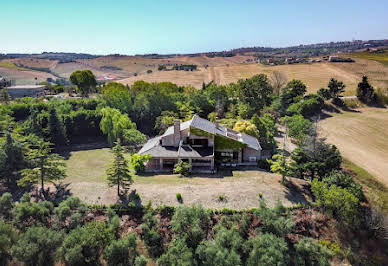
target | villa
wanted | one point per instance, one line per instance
(205, 145)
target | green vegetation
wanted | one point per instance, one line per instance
(183, 168)
(45, 166)
(376, 191)
(11, 65)
(247, 128)
(381, 57)
(138, 162)
(119, 174)
(365, 92)
(84, 80)
(337, 201)
(179, 197)
(226, 143)
(279, 165)
(298, 127)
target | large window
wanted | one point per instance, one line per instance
(199, 142)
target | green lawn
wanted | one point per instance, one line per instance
(88, 166)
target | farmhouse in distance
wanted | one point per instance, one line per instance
(203, 144)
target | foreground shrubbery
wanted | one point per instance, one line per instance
(184, 236)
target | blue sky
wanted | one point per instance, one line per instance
(145, 26)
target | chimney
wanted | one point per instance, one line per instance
(217, 123)
(177, 132)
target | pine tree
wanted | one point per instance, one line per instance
(46, 166)
(56, 129)
(11, 159)
(118, 174)
(365, 92)
(4, 96)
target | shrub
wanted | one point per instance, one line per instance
(267, 249)
(352, 103)
(377, 224)
(122, 251)
(8, 238)
(37, 246)
(278, 221)
(191, 224)
(70, 212)
(365, 92)
(178, 254)
(223, 250)
(333, 247)
(344, 180)
(324, 93)
(82, 246)
(182, 168)
(382, 95)
(222, 198)
(6, 205)
(337, 202)
(311, 105)
(179, 197)
(150, 236)
(32, 213)
(141, 261)
(310, 252)
(138, 161)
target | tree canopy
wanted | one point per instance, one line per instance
(84, 80)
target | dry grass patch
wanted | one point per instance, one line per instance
(86, 173)
(315, 75)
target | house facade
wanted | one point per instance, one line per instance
(205, 145)
(26, 91)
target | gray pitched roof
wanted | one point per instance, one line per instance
(154, 148)
(186, 151)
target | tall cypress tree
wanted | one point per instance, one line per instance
(118, 174)
(56, 129)
(11, 159)
(365, 92)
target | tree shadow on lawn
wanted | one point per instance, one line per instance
(125, 198)
(295, 194)
(60, 193)
(67, 150)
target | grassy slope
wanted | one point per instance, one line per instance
(362, 137)
(376, 191)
